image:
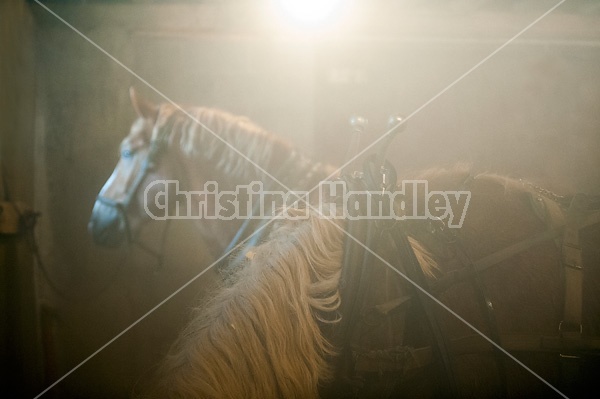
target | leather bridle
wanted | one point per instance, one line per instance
(157, 147)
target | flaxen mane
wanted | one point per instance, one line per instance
(260, 337)
(203, 138)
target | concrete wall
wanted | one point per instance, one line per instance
(531, 111)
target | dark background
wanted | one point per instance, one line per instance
(531, 111)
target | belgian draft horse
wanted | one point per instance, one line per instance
(275, 331)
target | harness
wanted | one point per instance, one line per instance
(564, 225)
(565, 219)
(356, 279)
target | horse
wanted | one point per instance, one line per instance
(500, 290)
(193, 146)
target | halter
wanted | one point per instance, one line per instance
(157, 147)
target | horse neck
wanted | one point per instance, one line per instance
(286, 168)
(207, 144)
(200, 157)
(191, 175)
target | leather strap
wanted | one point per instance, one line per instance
(486, 262)
(578, 217)
(515, 249)
(414, 271)
(406, 358)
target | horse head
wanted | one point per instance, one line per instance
(195, 148)
(120, 209)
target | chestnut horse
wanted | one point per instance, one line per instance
(193, 146)
(282, 329)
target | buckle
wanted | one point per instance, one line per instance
(568, 327)
(570, 335)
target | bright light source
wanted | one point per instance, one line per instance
(310, 12)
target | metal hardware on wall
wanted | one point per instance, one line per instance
(14, 217)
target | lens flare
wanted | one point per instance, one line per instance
(310, 12)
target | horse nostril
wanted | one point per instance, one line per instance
(106, 226)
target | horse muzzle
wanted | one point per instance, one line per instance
(108, 224)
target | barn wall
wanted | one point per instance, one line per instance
(532, 111)
(20, 344)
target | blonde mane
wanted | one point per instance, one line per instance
(260, 337)
(198, 143)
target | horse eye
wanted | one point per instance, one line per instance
(127, 154)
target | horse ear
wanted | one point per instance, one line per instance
(143, 107)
